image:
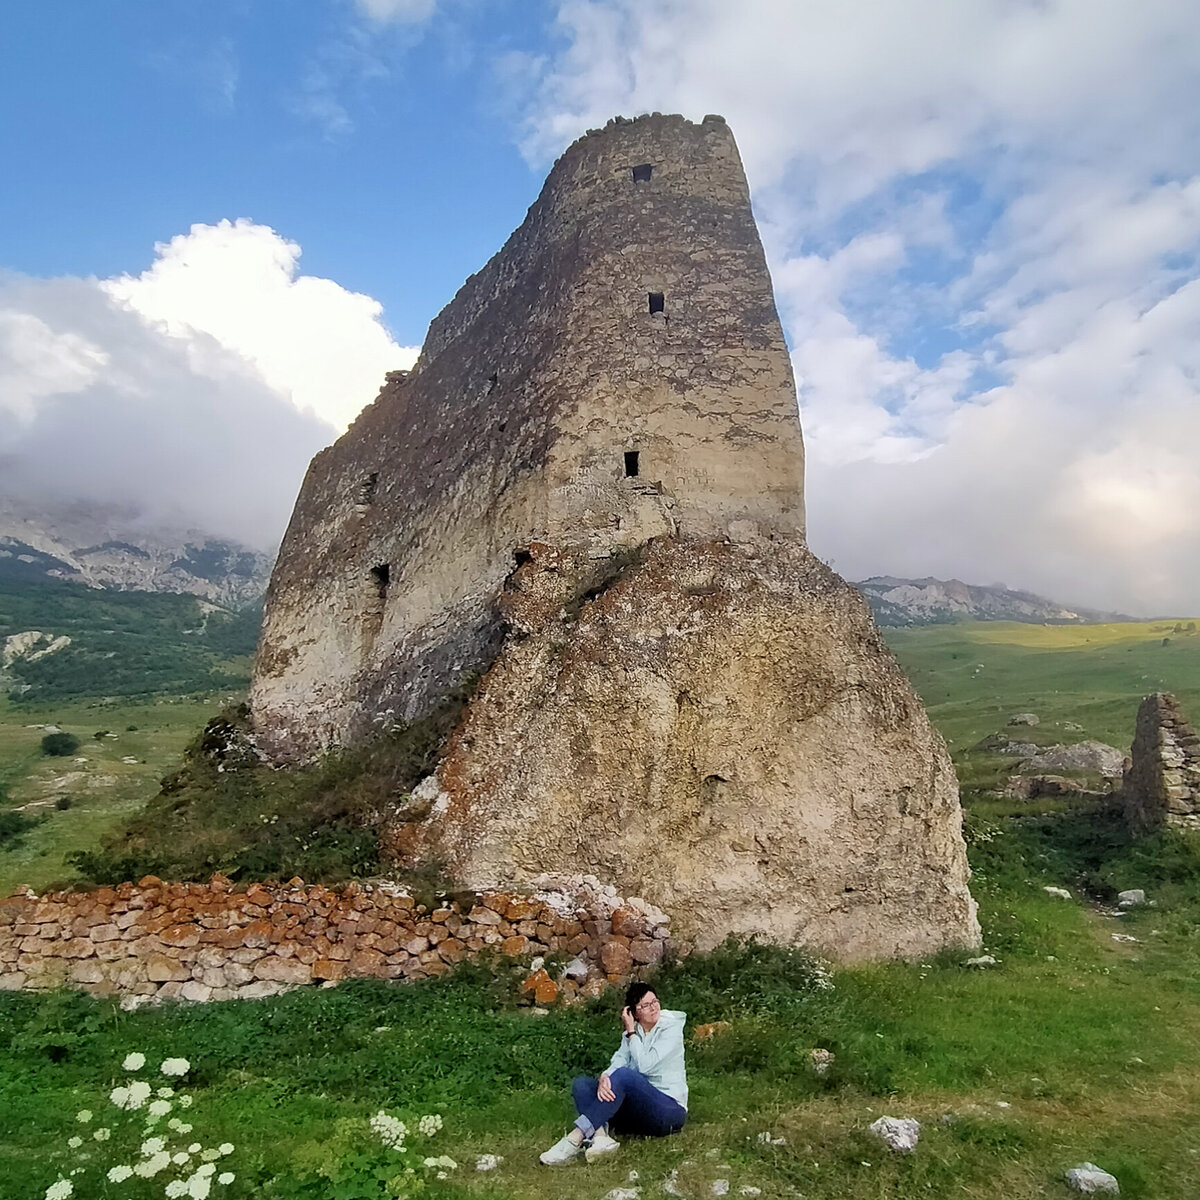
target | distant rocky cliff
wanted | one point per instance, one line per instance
(107, 547)
(941, 601)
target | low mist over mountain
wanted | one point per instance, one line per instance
(114, 548)
(941, 601)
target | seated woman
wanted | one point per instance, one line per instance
(644, 1091)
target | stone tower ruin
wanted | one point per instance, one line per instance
(590, 488)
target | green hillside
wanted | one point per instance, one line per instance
(123, 644)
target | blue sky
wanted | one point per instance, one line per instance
(222, 222)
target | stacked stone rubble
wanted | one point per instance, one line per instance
(193, 941)
(1162, 781)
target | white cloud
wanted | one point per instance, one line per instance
(404, 11)
(982, 220)
(322, 347)
(195, 393)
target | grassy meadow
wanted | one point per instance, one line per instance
(1082, 1041)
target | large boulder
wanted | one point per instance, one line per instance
(722, 731)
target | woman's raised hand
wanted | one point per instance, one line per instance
(627, 1020)
(604, 1090)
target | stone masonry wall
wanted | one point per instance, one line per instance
(192, 941)
(1162, 781)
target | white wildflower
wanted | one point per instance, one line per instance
(428, 1126)
(134, 1061)
(133, 1096)
(185, 1102)
(102, 1134)
(210, 1155)
(75, 1142)
(176, 1188)
(176, 1124)
(83, 1116)
(225, 1178)
(175, 1066)
(225, 1148)
(198, 1187)
(119, 1174)
(60, 1190)
(158, 1161)
(180, 1159)
(391, 1131)
(152, 1146)
(207, 1169)
(194, 1148)
(488, 1162)
(185, 1128)
(164, 1093)
(444, 1161)
(159, 1108)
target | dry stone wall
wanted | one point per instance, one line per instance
(191, 941)
(1162, 782)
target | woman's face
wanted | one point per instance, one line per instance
(647, 1011)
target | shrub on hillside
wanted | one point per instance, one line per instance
(224, 810)
(59, 745)
(13, 828)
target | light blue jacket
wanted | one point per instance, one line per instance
(658, 1055)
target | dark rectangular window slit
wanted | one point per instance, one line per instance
(642, 173)
(631, 464)
(657, 302)
(381, 575)
(366, 489)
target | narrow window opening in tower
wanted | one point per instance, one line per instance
(521, 557)
(642, 173)
(381, 577)
(493, 379)
(368, 487)
(631, 464)
(657, 302)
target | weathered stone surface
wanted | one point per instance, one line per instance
(282, 970)
(545, 371)
(611, 398)
(1162, 779)
(727, 725)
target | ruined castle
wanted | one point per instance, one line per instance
(590, 490)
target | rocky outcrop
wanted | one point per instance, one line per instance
(590, 489)
(192, 941)
(1162, 782)
(107, 547)
(722, 731)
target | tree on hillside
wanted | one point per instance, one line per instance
(59, 745)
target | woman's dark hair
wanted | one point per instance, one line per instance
(635, 994)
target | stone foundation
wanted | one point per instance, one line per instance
(1162, 782)
(214, 941)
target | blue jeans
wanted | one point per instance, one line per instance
(638, 1106)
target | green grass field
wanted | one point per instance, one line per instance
(1077, 1045)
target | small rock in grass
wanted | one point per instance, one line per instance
(669, 1185)
(897, 1133)
(623, 1194)
(1124, 937)
(1003, 1104)
(766, 1139)
(1061, 893)
(576, 969)
(1024, 719)
(1131, 898)
(984, 960)
(720, 1187)
(633, 1177)
(1090, 1179)
(748, 1189)
(488, 1162)
(821, 1061)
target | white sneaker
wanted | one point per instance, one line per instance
(601, 1145)
(561, 1152)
